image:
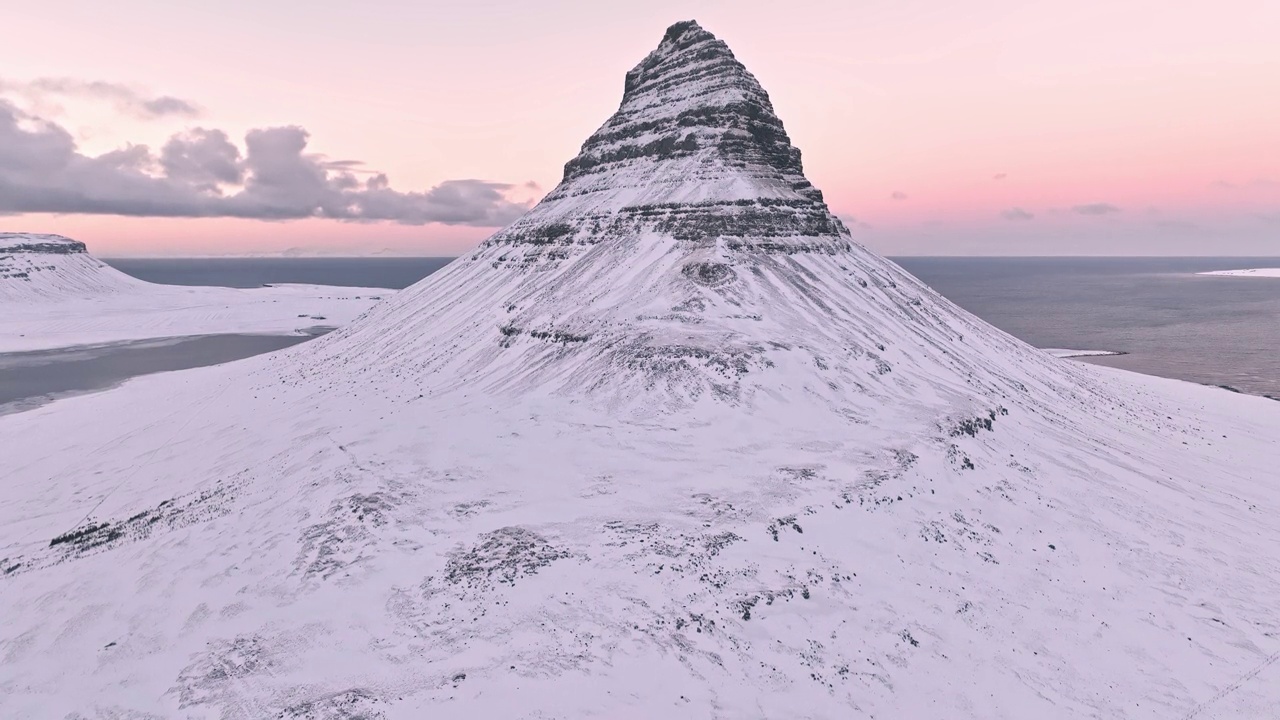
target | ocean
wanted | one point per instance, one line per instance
(1166, 319)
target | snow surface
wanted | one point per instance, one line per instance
(1250, 272)
(58, 299)
(634, 475)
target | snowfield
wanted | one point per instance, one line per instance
(643, 455)
(54, 294)
(1251, 272)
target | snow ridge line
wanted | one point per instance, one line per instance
(1232, 687)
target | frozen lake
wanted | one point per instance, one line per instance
(31, 379)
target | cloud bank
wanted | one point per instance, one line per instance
(126, 99)
(1016, 213)
(202, 173)
(1096, 209)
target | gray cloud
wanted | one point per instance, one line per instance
(124, 97)
(201, 173)
(1016, 214)
(851, 221)
(999, 176)
(1254, 184)
(1096, 209)
(898, 195)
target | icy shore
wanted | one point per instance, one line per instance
(1249, 272)
(55, 294)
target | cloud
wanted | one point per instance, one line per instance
(898, 195)
(1181, 225)
(202, 173)
(999, 176)
(1016, 214)
(1254, 184)
(125, 98)
(1096, 209)
(851, 221)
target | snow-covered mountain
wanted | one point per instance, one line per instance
(42, 267)
(54, 293)
(685, 256)
(671, 444)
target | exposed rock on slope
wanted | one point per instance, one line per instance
(39, 243)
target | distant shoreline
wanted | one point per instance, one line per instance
(1249, 272)
(1065, 353)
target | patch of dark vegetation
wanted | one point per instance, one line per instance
(94, 534)
(1228, 387)
(668, 359)
(783, 523)
(558, 336)
(967, 464)
(708, 274)
(88, 536)
(346, 705)
(341, 541)
(502, 556)
(906, 637)
(715, 543)
(971, 426)
(207, 680)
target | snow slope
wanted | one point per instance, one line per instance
(1250, 272)
(55, 294)
(661, 448)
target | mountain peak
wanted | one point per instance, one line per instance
(684, 256)
(695, 152)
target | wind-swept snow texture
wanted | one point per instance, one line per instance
(53, 293)
(671, 445)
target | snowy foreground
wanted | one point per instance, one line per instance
(671, 445)
(53, 299)
(1250, 272)
(264, 549)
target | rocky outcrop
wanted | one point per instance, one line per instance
(39, 243)
(695, 152)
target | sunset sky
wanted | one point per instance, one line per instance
(1098, 127)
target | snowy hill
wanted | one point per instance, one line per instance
(56, 294)
(41, 267)
(674, 445)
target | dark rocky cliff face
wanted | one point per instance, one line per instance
(692, 93)
(39, 243)
(694, 152)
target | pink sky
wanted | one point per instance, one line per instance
(1113, 126)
